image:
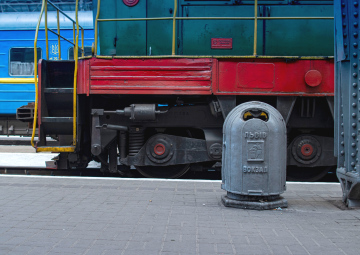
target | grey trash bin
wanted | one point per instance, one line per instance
(254, 157)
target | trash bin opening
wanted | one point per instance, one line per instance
(255, 114)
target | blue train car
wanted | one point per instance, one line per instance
(17, 33)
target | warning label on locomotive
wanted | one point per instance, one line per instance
(221, 43)
(255, 151)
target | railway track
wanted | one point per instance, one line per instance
(22, 160)
(95, 172)
(43, 171)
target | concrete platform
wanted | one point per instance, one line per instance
(18, 149)
(52, 215)
(25, 160)
(26, 157)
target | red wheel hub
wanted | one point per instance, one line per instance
(159, 149)
(130, 2)
(307, 150)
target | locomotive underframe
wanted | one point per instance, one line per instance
(168, 114)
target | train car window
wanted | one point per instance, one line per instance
(21, 61)
(71, 52)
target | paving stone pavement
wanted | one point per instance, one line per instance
(52, 215)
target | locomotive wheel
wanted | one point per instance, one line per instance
(167, 172)
(306, 174)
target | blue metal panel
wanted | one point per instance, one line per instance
(17, 30)
(347, 99)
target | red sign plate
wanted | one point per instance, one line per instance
(221, 43)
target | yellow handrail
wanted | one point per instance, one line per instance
(76, 57)
(174, 19)
(46, 33)
(58, 30)
(174, 28)
(35, 74)
(255, 26)
(82, 42)
(96, 26)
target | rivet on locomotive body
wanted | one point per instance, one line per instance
(342, 143)
(354, 94)
(355, 45)
(356, 24)
(353, 155)
(354, 75)
(353, 144)
(342, 152)
(356, 4)
(345, 35)
(355, 55)
(355, 65)
(354, 105)
(352, 164)
(342, 133)
(356, 14)
(353, 125)
(353, 135)
(353, 115)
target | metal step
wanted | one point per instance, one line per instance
(59, 90)
(55, 149)
(57, 119)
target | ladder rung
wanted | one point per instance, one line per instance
(57, 119)
(55, 149)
